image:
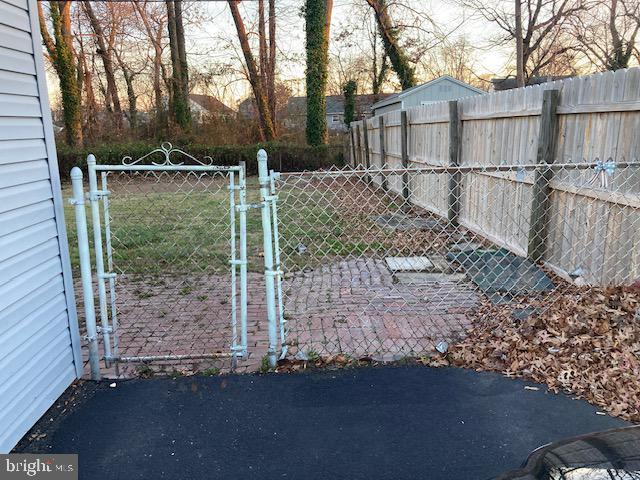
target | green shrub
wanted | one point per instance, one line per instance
(282, 157)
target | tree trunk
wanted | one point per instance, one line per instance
(519, 47)
(318, 25)
(105, 54)
(271, 78)
(179, 103)
(60, 50)
(156, 41)
(157, 77)
(131, 93)
(90, 105)
(388, 32)
(262, 45)
(182, 55)
(266, 122)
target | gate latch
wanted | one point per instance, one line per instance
(249, 206)
(97, 194)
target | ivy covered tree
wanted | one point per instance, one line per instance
(349, 90)
(390, 39)
(59, 47)
(318, 25)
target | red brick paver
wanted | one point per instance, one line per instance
(353, 307)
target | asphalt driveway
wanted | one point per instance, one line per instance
(367, 423)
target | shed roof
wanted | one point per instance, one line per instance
(397, 97)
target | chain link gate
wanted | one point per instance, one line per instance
(170, 252)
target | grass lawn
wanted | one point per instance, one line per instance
(167, 227)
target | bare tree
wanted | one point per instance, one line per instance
(85, 72)
(271, 71)
(454, 57)
(179, 104)
(519, 44)
(105, 51)
(607, 33)
(258, 85)
(153, 21)
(542, 24)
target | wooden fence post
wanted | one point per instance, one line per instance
(404, 139)
(367, 161)
(454, 161)
(541, 190)
(359, 155)
(383, 153)
(352, 136)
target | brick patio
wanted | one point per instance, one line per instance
(354, 307)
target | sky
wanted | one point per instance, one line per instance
(214, 40)
(213, 46)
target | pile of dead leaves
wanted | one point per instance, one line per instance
(587, 342)
(339, 361)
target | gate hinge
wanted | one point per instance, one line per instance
(237, 262)
(273, 272)
(73, 201)
(107, 276)
(271, 198)
(101, 329)
(97, 194)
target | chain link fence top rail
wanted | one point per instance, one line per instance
(392, 262)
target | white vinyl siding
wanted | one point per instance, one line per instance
(39, 340)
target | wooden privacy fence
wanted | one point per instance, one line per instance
(552, 201)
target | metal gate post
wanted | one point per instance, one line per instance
(276, 245)
(234, 265)
(94, 196)
(267, 240)
(242, 199)
(85, 272)
(112, 276)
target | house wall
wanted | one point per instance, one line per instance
(336, 126)
(389, 108)
(39, 339)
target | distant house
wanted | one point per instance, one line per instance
(248, 108)
(297, 110)
(294, 115)
(510, 82)
(203, 106)
(438, 90)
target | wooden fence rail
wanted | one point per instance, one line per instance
(554, 215)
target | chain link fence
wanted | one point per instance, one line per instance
(394, 262)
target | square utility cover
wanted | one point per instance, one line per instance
(408, 264)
